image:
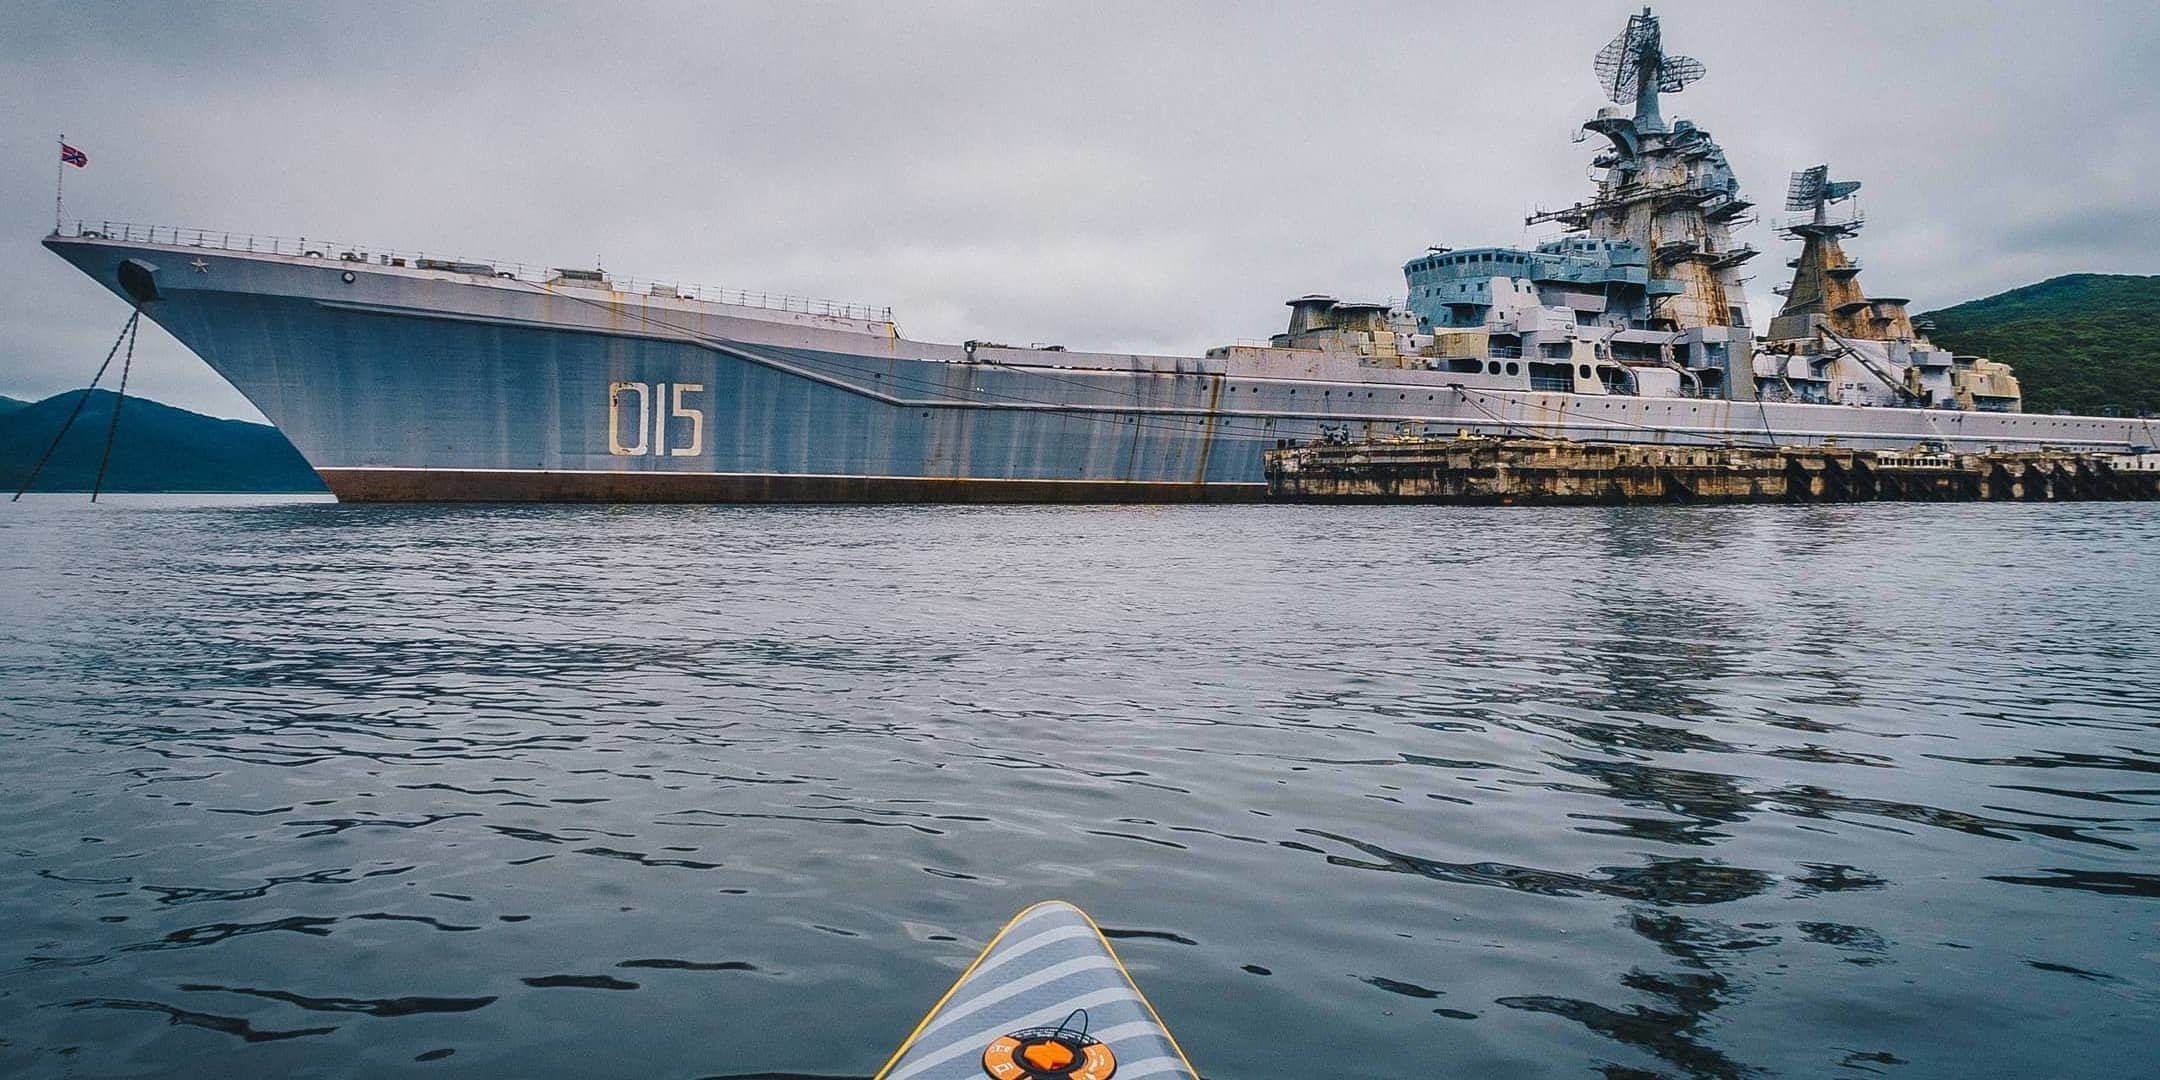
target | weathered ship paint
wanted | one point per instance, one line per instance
(479, 387)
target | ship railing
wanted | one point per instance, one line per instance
(315, 247)
(1851, 219)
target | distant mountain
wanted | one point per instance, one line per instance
(2085, 343)
(158, 448)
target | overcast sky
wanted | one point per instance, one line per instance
(1145, 176)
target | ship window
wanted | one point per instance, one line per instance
(1582, 371)
(1514, 368)
(1492, 367)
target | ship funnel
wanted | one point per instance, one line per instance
(1311, 312)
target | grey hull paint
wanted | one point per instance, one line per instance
(408, 383)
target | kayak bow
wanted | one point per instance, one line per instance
(1047, 1000)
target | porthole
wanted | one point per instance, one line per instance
(1514, 368)
(1492, 367)
(1582, 371)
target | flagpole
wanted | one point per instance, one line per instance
(59, 183)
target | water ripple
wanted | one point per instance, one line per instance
(1677, 792)
(229, 1025)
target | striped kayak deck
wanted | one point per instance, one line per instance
(1047, 1000)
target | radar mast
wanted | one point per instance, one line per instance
(1634, 69)
(1667, 191)
(1825, 290)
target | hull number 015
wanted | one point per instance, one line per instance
(662, 420)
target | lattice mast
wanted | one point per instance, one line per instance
(1667, 189)
(1825, 287)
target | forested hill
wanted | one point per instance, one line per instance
(2084, 343)
(156, 448)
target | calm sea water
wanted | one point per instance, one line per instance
(304, 790)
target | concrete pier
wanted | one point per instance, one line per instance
(1478, 469)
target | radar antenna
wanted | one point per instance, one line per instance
(1634, 68)
(1812, 190)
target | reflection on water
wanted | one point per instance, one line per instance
(316, 790)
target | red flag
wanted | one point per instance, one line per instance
(73, 156)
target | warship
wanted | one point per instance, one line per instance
(443, 379)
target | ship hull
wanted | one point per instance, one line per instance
(540, 485)
(407, 385)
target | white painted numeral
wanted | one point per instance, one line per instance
(614, 418)
(656, 406)
(696, 418)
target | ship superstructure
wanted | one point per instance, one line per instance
(450, 379)
(1834, 343)
(1647, 282)
(1648, 267)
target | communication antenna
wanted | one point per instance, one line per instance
(1634, 68)
(1812, 190)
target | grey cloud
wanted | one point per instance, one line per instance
(1132, 176)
